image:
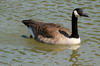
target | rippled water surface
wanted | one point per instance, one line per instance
(18, 51)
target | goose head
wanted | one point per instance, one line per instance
(79, 12)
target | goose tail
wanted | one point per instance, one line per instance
(27, 22)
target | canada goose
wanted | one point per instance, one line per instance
(53, 33)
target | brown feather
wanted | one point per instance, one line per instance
(46, 30)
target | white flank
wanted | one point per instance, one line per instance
(76, 14)
(31, 32)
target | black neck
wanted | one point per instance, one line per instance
(74, 27)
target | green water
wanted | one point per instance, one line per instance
(18, 51)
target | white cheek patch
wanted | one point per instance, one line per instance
(76, 14)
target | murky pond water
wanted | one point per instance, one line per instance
(18, 51)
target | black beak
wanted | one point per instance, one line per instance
(85, 15)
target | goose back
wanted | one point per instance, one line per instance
(48, 31)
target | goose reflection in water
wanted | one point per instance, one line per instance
(74, 58)
(55, 48)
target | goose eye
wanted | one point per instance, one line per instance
(80, 13)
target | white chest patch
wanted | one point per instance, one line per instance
(31, 32)
(74, 40)
(69, 41)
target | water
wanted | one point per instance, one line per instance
(18, 51)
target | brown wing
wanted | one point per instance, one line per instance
(55, 29)
(48, 30)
